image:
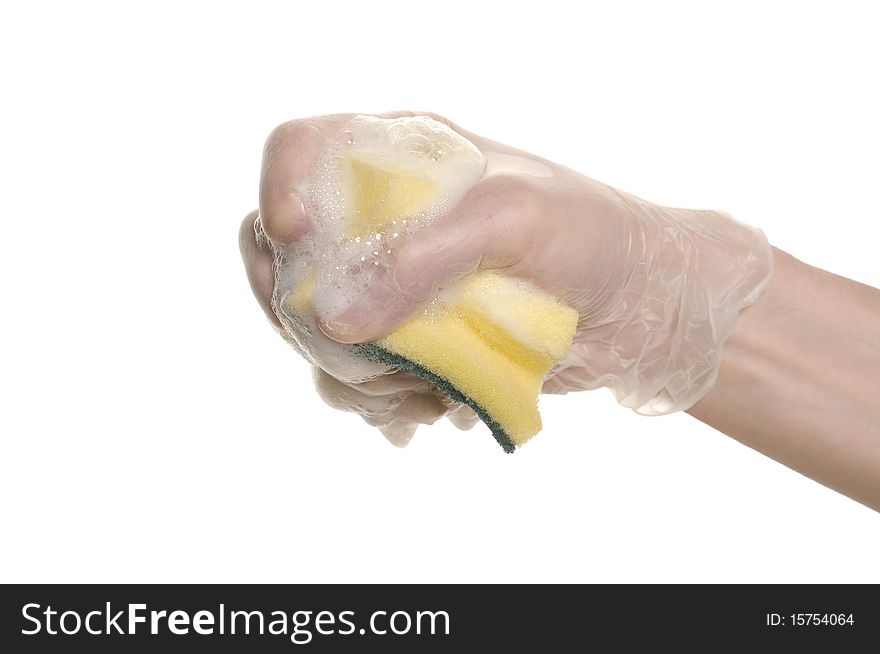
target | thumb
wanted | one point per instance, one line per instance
(483, 230)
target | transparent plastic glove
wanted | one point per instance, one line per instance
(657, 289)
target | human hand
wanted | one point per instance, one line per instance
(657, 289)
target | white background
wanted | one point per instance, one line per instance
(154, 428)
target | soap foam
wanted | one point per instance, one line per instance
(343, 264)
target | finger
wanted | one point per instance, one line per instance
(484, 230)
(392, 383)
(345, 397)
(421, 409)
(389, 412)
(288, 156)
(417, 409)
(463, 417)
(258, 263)
(398, 432)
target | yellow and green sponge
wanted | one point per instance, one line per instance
(488, 342)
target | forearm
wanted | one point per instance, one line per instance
(800, 379)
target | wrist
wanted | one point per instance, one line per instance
(696, 271)
(786, 334)
(798, 378)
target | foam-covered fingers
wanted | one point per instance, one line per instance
(288, 155)
(258, 263)
(484, 230)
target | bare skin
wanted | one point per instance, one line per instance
(797, 382)
(800, 379)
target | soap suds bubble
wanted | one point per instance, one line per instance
(342, 264)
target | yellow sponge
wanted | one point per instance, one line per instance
(488, 342)
(380, 194)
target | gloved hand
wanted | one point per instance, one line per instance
(394, 402)
(657, 289)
